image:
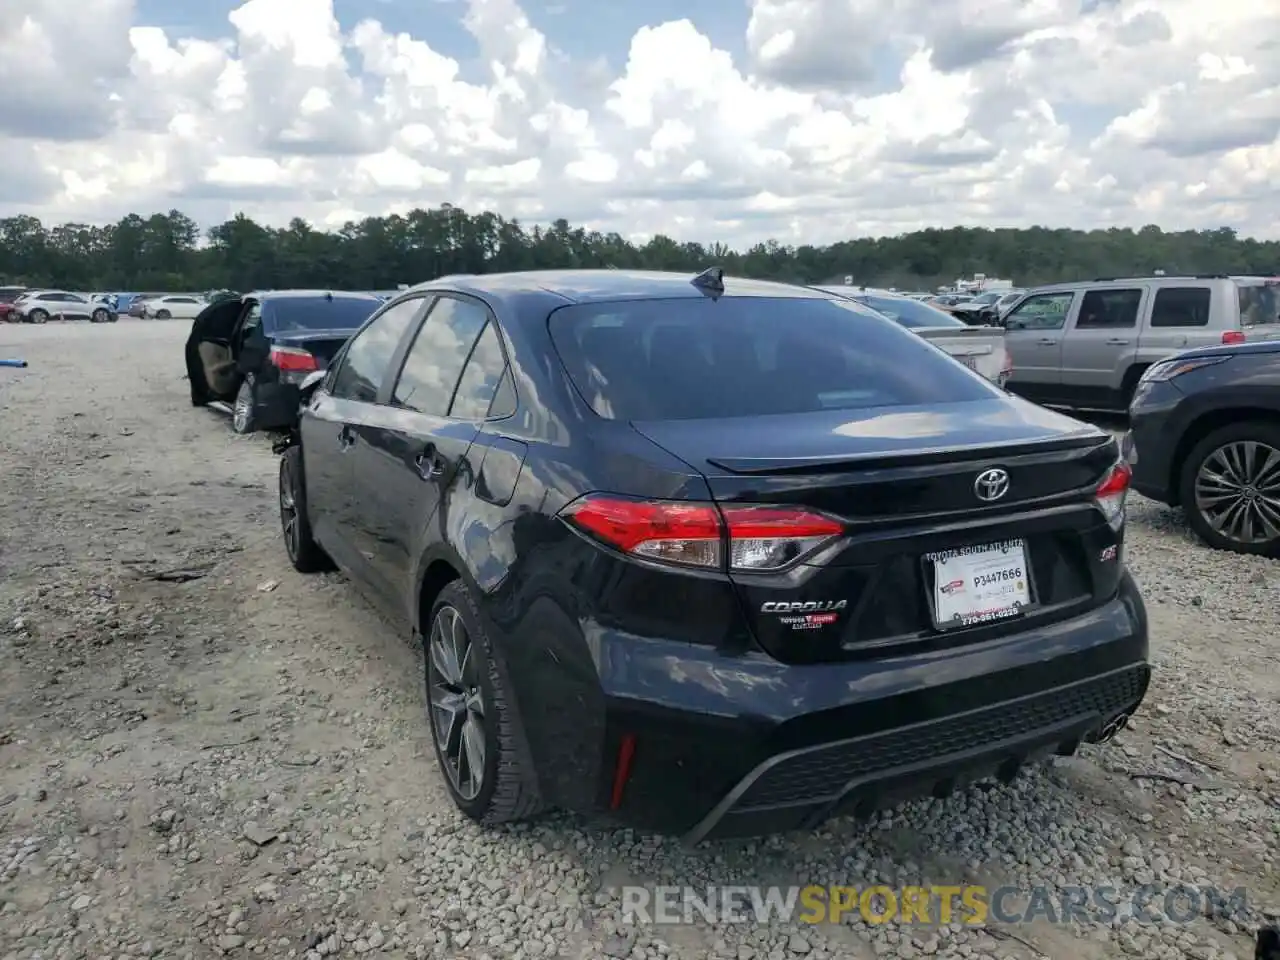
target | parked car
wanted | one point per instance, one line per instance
(37, 306)
(9, 296)
(713, 556)
(979, 309)
(1085, 345)
(137, 306)
(1204, 435)
(253, 351)
(1008, 300)
(173, 306)
(979, 348)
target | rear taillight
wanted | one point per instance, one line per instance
(703, 535)
(293, 360)
(1112, 492)
(1233, 336)
(1006, 369)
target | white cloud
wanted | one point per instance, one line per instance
(835, 118)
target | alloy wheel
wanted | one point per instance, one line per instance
(456, 702)
(1237, 491)
(289, 511)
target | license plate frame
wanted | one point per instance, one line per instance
(1014, 599)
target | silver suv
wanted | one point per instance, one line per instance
(1084, 345)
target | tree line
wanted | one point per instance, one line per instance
(166, 251)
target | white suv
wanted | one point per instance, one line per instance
(37, 306)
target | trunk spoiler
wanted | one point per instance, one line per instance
(880, 460)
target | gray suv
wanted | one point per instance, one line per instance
(1084, 345)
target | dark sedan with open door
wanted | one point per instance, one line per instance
(253, 351)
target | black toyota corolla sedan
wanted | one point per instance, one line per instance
(712, 556)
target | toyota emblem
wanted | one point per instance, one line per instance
(991, 485)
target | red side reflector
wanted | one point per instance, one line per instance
(291, 358)
(1233, 336)
(622, 772)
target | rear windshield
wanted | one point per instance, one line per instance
(911, 313)
(10, 294)
(1259, 302)
(318, 313)
(745, 357)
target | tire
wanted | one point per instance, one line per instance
(163, 314)
(38, 316)
(1213, 455)
(99, 316)
(507, 791)
(242, 409)
(305, 554)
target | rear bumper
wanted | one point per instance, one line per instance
(742, 745)
(802, 788)
(277, 405)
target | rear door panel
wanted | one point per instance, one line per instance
(1096, 354)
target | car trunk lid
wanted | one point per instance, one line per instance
(903, 485)
(321, 344)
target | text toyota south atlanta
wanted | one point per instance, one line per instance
(714, 556)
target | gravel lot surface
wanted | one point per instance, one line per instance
(204, 754)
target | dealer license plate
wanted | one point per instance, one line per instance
(980, 584)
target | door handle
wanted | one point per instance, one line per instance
(346, 437)
(1117, 342)
(1047, 342)
(428, 464)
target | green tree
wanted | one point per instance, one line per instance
(163, 251)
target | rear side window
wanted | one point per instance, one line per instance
(1259, 303)
(365, 363)
(682, 359)
(1042, 311)
(910, 313)
(1109, 309)
(439, 352)
(480, 378)
(1181, 307)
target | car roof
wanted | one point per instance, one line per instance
(262, 296)
(1179, 280)
(603, 286)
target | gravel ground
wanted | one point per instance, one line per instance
(204, 754)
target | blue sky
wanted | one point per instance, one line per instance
(585, 31)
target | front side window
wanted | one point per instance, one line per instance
(367, 357)
(691, 358)
(1043, 311)
(439, 352)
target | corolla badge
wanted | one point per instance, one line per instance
(991, 485)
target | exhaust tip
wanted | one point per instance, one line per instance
(1110, 730)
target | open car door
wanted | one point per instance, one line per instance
(210, 366)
